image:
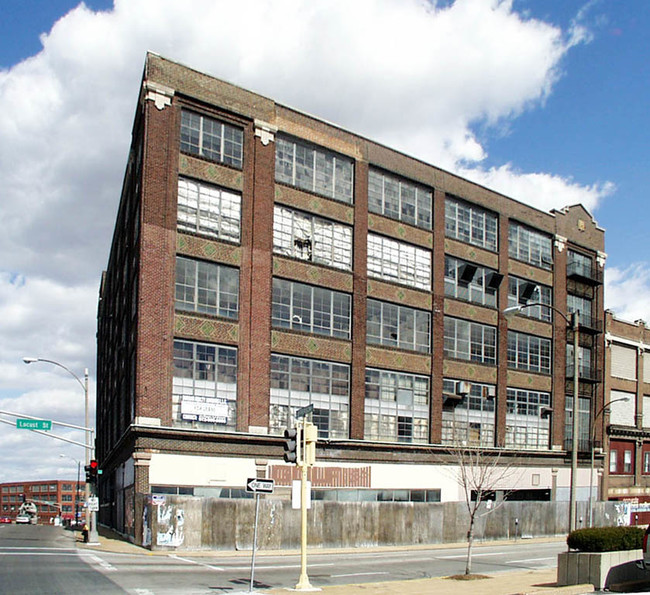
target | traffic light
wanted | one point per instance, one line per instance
(292, 446)
(311, 435)
(91, 471)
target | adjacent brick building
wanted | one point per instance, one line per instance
(264, 259)
(627, 419)
(54, 498)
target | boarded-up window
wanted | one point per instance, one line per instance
(646, 366)
(622, 412)
(646, 411)
(623, 362)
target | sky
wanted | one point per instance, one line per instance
(545, 101)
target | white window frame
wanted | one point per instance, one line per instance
(400, 199)
(208, 210)
(530, 246)
(311, 309)
(529, 353)
(476, 291)
(468, 418)
(399, 262)
(471, 224)
(315, 169)
(527, 426)
(544, 295)
(470, 341)
(307, 237)
(396, 407)
(198, 130)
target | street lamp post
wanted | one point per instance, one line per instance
(574, 323)
(602, 410)
(91, 519)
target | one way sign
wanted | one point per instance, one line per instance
(259, 486)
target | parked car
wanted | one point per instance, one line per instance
(5, 520)
(645, 563)
(22, 519)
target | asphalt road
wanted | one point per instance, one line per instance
(41, 559)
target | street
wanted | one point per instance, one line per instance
(46, 559)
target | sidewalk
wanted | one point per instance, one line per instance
(529, 582)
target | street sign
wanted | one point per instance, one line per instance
(259, 486)
(93, 504)
(34, 424)
(305, 410)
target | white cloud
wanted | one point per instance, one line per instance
(420, 76)
(627, 291)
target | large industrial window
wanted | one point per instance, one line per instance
(519, 292)
(204, 391)
(396, 407)
(399, 199)
(211, 139)
(396, 261)
(529, 353)
(297, 382)
(207, 287)
(398, 326)
(470, 341)
(584, 421)
(580, 263)
(470, 223)
(585, 367)
(311, 309)
(314, 169)
(527, 419)
(467, 413)
(529, 245)
(312, 238)
(208, 210)
(470, 282)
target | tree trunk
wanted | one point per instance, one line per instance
(470, 542)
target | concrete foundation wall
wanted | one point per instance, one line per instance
(190, 523)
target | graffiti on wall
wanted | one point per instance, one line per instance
(170, 526)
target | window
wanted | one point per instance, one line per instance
(208, 210)
(396, 407)
(580, 264)
(399, 199)
(66, 487)
(517, 289)
(584, 362)
(296, 382)
(467, 413)
(466, 281)
(470, 341)
(529, 353)
(66, 497)
(204, 386)
(399, 262)
(207, 287)
(211, 139)
(613, 455)
(470, 223)
(646, 462)
(398, 326)
(313, 169)
(624, 362)
(576, 303)
(311, 238)
(529, 246)
(527, 419)
(627, 461)
(311, 309)
(584, 439)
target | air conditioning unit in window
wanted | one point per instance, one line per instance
(489, 392)
(463, 388)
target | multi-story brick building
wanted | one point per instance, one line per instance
(263, 260)
(627, 419)
(54, 498)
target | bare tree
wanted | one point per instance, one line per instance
(480, 473)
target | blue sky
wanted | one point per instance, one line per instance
(543, 100)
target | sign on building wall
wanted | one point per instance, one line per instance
(206, 409)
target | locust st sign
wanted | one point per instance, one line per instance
(34, 424)
(259, 486)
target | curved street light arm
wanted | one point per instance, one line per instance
(31, 360)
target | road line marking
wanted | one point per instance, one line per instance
(473, 555)
(105, 565)
(357, 574)
(216, 568)
(530, 560)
